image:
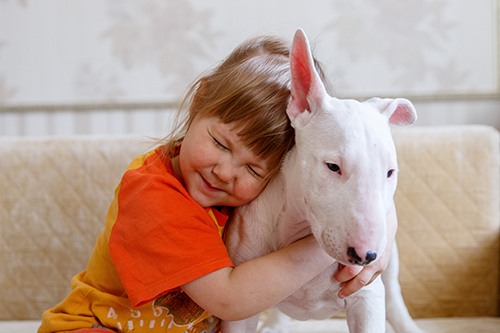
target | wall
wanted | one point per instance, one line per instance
(120, 66)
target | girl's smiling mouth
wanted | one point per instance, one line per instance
(209, 186)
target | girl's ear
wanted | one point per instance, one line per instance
(399, 111)
(306, 86)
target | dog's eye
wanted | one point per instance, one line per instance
(334, 167)
(390, 173)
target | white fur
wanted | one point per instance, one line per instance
(342, 209)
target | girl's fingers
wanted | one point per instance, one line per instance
(364, 278)
(346, 273)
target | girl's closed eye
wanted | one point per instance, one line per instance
(218, 144)
(253, 172)
(257, 171)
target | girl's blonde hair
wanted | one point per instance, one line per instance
(250, 89)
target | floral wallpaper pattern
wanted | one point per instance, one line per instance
(406, 36)
(169, 35)
(150, 50)
(76, 59)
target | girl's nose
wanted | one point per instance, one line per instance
(224, 171)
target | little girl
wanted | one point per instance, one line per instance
(160, 264)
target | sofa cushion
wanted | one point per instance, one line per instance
(55, 193)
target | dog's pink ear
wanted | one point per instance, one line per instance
(399, 111)
(306, 85)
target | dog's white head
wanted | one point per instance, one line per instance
(348, 161)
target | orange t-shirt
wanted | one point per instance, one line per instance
(156, 239)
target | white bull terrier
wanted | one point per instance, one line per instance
(337, 183)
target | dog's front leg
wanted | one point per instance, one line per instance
(397, 313)
(365, 310)
(244, 326)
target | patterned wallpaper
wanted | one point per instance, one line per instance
(126, 50)
(92, 54)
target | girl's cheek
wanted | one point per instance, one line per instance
(253, 189)
(204, 154)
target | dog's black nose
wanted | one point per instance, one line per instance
(355, 259)
(370, 256)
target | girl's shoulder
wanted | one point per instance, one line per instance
(153, 161)
(153, 167)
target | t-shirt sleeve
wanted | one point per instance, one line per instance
(161, 238)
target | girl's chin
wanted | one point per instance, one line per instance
(203, 200)
(207, 200)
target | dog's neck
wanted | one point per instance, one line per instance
(292, 221)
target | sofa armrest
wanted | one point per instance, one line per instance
(448, 209)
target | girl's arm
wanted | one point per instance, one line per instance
(353, 278)
(256, 285)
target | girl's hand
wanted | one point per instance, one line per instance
(353, 278)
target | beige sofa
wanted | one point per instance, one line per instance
(54, 194)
